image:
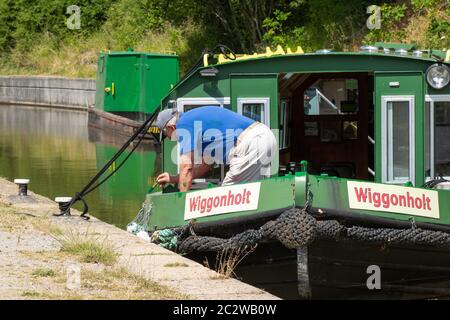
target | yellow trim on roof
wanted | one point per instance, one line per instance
(269, 53)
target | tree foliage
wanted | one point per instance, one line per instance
(187, 26)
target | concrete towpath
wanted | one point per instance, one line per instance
(31, 259)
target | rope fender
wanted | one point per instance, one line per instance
(295, 228)
(400, 236)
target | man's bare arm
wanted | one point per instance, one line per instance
(201, 169)
(188, 171)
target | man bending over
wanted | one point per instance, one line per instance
(208, 135)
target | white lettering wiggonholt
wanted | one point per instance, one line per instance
(388, 198)
(214, 201)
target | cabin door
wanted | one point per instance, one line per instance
(256, 96)
(122, 86)
(399, 130)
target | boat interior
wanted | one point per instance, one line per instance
(328, 120)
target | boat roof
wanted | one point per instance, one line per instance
(397, 51)
(405, 51)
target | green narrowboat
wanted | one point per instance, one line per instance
(359, 184)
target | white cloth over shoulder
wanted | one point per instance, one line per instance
(250, 159)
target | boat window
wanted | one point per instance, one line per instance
(350, 130)
(428, 142)
(285, 118)
(331, 97)
(441, 136)
(398, 139)
(330, 131)
(255, 108)
(258, 109)
(186, 104)
(437, 131)
(188, 107)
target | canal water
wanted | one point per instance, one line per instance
(57, 151)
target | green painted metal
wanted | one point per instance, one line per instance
(332, 193)
(168, 208)
(134, 82)
(256, 86)
(329, 193)
(411, 83)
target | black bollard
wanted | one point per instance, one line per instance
(63, 203)
(23, 186)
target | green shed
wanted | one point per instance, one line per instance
(132, 84)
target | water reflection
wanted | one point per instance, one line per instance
(55, 149)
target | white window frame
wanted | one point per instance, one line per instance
(432, 98)
(387, 164)
(201, 101)
(265, 101)
(266, 120)
(285, 118)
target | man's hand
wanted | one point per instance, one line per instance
(164, 178)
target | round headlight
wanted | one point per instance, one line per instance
(438, 75)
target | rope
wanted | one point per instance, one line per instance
(143, 129)
(89, 187)
(400, 236)
(296, 228)
(433, 183)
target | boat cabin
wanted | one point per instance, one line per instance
(381, 114)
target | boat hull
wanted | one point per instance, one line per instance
(339, 270)
(114, 124)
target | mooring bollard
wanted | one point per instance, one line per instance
(23, 186)
(64, 208)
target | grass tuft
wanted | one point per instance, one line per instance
(175, 264)
(227, 260)
(43, 272)
(121, 284)
(30, 294)
(89, 249)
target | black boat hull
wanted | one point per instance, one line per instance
(339, 270)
